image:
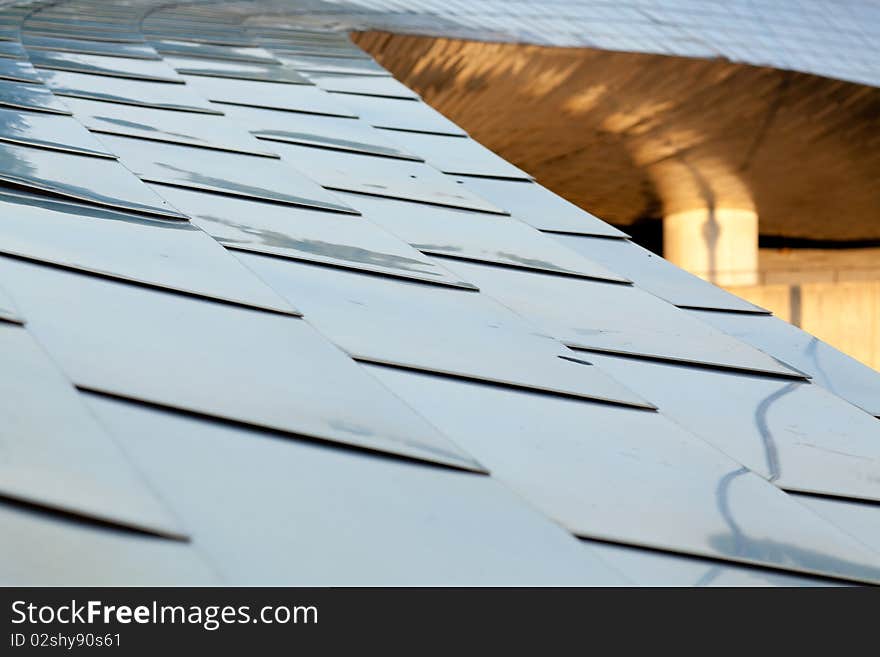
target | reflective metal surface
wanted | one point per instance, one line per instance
(12, 49)
(250, 93)
(54, 454)
(399, 114)
(362, 85)
(211, 51)
(433, 328)
(348, 518)
(474, 236)
(117, 67)
(457, 155)
(230, 173)
(54, 132)
(539, 207)
(295, 380)
(168, 254)
(8, 311)
(42, 550)
(302, 234)
(185, 128)
(858, 519)
(599, 316)
(381, 176)
(630, 476)
(342, 134)
(326, 64)
(92, 179)
(829, 368)
(30, 97)
(656, 275)
(19, 71)
(127, 92)
(652, 568)
(130, 50)
(236, 70)
(794, 434)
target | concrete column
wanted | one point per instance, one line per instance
(719, 245)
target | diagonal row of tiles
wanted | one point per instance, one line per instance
(244, 132)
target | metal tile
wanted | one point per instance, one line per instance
(19, 71)
(55, 455)
(41, 550)
(128, 92)
(343, 134)
(12, 50)
(263, 369)
(54, 132)
(538, 206)
(332, 64)
(631, 476)
(829, 368)
(236, 70)
(301, 234)
(362, 85)
(209, 51)
(30, 97)
(860, 520)
(652, 568)
(8, 310)
(206, 131)
(796, 435)
(314, 515)
(167, 254)
(457, 155)
(656, 275)
(290, 97)
(433, 328)
(615, 318)
(60, 44)
(397, 114)
(229, 173)
(474, 236)
(70, 31)
(95, 180)
(380, 176)
(115, 67)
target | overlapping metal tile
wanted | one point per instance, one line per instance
(221, 68)
(304, 234)
(859, 519)
(54, 132)
(603, 317)
(437, 329)
(19, 71)
(30, 97)
(361, 85)
(167, 254)
(58, 44)
(316, 515)
(115, 67)
(564, 456)
(396, 114)
(296, 381)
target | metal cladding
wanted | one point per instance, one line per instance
(268, 318)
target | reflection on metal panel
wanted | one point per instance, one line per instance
(58, 44)
(8, 310)
(236, 70)
(621, 319)
(279, 373)
(794, 434)
(229, 173)
(127, 92)
(399, 114)
(19, 71)
(362, 85)
(381, 176)
(54, 453)
(858, 519)
(539, 207)
(652, 568)
(211, 51)
(116, 67)
(621, 475)
(54, 132)
(348, 518)
(829, 368)
(168, 254)
(30, 97)
(95, 180)
(12, 50)
(270, 95)
(184, 128)
(443, 330)
(41, 550)
(656, 275)
(326, 64)
(475, 236)
(304, 234)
